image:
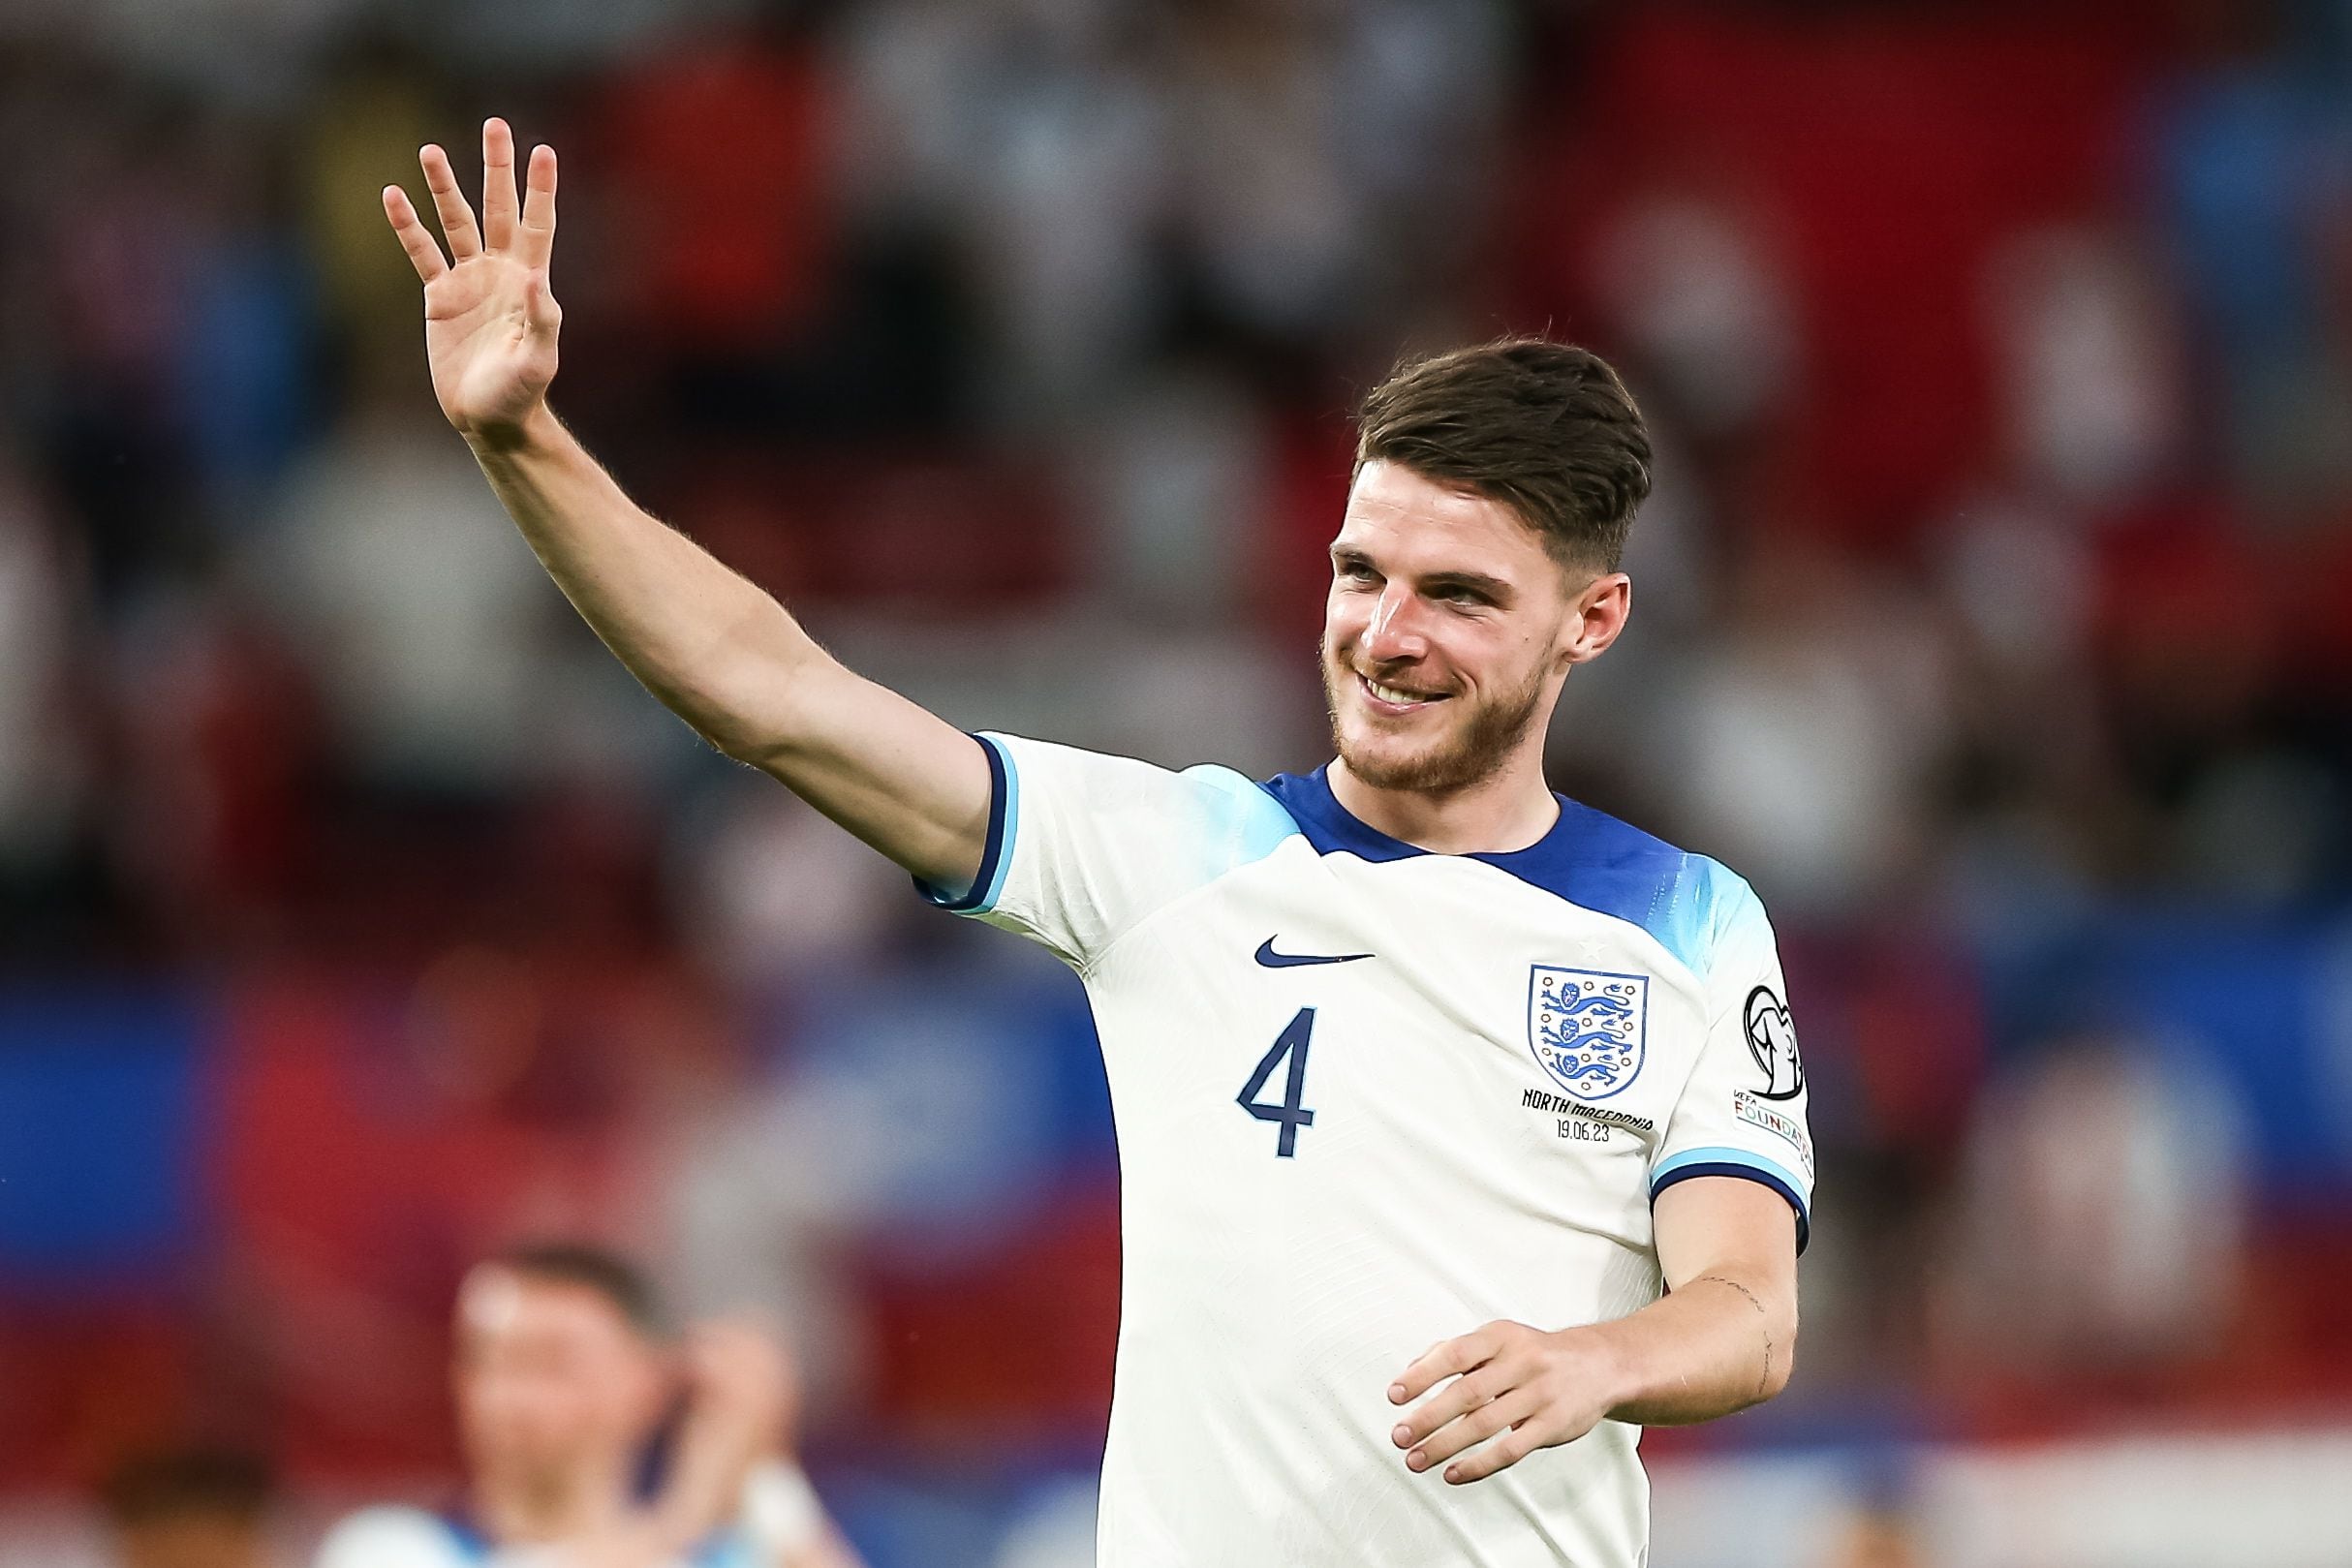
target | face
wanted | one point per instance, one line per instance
(1448, 632)
(550, 1376)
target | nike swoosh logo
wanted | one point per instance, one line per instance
(1273, 959)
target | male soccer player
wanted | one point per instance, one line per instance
(1404, 1050)
(564, 1379)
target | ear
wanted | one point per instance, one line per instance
(1596, 617)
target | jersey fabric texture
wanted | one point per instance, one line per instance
(1369, 1098)
(390, 1536)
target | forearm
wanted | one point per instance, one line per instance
(712, 1486)
(1720, 1340)
(722, 655)
(705, 1489)
(1714, 1346)
(716, 649)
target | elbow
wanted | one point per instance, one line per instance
(735, 718)
(772, 754)
(728, 739)
(1780, 1357)
(714, 724)
(752, 702)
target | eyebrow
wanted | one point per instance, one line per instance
(1478, 582)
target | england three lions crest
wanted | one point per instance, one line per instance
(1588, 1026)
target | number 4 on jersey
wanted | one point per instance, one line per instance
(1289, 1114)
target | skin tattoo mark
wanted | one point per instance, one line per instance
(1764, 1381)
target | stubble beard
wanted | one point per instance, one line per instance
(1473, 752)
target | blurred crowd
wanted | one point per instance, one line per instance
(358, 914)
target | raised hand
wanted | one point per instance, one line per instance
(740, 1381)
(490, 321)
(739, 1408)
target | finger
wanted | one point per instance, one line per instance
(537, 242)
(1527, 1434)
(450, 204)
(1443, 1360)
(1487, 1421)
(424, 255)
(1458, 1398)
(498, 205)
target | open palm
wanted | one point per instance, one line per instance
(490, 322)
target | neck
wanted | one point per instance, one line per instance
(589, 1500)
(1508, 810)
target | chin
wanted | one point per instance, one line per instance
(1433, 753)
(1391, 761)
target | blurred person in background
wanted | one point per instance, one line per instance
(592, 1441)
(190, 1508)
(2102, 1215)
(1273, 1323)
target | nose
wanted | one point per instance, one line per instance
(1394, 633)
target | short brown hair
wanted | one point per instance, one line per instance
(620, 1281)
(1546, 428)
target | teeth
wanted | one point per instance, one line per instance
(1389, 693)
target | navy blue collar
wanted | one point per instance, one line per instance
(1331, 826)
(1587, 857)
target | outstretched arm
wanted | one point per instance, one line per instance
(722, 654)
(1721, 1339)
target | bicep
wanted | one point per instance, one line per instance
(893, 772)
(1730, 1226)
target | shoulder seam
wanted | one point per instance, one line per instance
(1231, 784)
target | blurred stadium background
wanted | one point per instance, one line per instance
(1995, 619)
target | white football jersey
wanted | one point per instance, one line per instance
(1369, 1098)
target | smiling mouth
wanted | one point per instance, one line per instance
(1396, 696)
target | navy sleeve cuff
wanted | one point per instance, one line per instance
(981, 895)
(1685, 1170)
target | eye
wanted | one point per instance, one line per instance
(1354, 571)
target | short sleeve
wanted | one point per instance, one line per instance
(1082, 846)
(1742, 1113)
(389, 1537)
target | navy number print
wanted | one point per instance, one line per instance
(1289, 1114)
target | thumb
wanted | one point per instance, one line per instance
(541, 313)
